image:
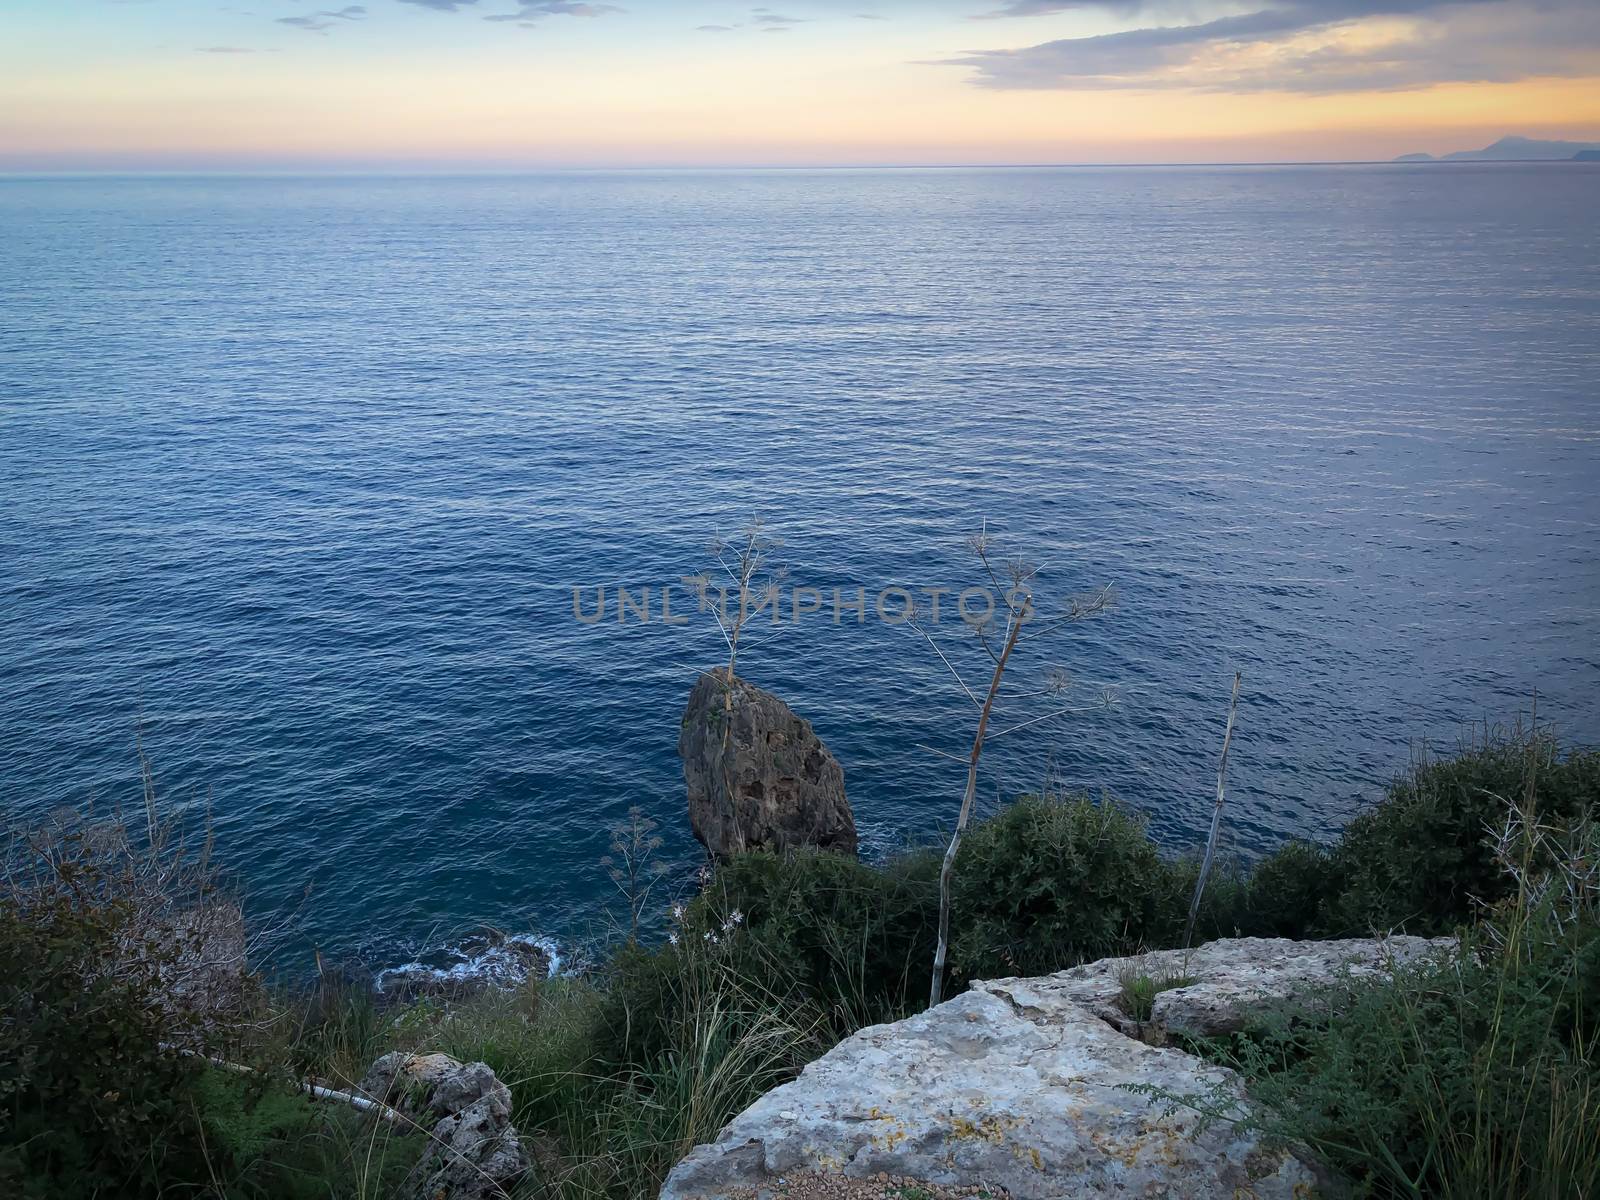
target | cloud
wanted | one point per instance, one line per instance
(772, 22)
(1316, 46)
(441, 5)
(1040, 8)
(763, 19)
(226, 50)
(318, 22)
(533, 11)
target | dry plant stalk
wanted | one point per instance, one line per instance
(631, 867)
(1019, 614)
(1216, 817)
(314, 1089)
(742, 570)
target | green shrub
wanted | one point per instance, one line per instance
(616, 1076)
(1478, 1074)
(1421, 860)
(92, 1102)
(542, 1039)
(109, 1006)
(115, 991)
(1222, 903)
(1284, 892)
(852, 939)
(1469, 1077)
(332, 1028)
(1051, 882)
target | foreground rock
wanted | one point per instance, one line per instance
(1022, 1086)
(757, 774)
(1218, 988)
(475, 1153)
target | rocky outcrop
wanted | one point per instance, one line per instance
(757, 774)
(474, 1152)
(1218, 988)
(1031, 1087)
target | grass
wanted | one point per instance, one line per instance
(1479, 1077)
(1474, 1076)
(1139, 991)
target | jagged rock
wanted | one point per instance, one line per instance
(1022, 1085)
(1217, 988)
(757, 774)
(474, 1152)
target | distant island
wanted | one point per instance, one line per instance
(1517, 149)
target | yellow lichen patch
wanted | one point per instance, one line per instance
(1125, 1152)
(890, 1138)
(990, 1129)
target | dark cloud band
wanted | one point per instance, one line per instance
(1466, 40)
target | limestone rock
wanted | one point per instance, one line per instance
(1022, 1085)
(1224, 984)
(474, 1152)
(1010, 1087)
(757, 774)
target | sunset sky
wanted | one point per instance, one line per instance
(442, 84)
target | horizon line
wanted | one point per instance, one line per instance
(418, 170)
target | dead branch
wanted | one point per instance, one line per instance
(1216, 817)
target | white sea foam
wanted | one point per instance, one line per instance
(493, 960)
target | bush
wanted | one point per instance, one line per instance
(1421, 860)
(854, 941)
(1469, 1078)
(121, 972)
(615, 1078)
(1284, 892)
(1479, 1074)
(94, 1097)
(1051, 882)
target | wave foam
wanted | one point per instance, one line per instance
(490, 960)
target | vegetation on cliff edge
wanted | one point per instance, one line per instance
(616, 1073)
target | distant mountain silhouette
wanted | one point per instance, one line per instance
(1515, 149)
(1586, 156)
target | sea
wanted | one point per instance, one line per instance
(318, 492)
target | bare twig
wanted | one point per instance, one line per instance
(941, 951)
(310, 1087)
(1216, 817)
(1019, 607)
(955, 674)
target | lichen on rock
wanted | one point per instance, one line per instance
(1030, 1088)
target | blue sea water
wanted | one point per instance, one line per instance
(299, 473)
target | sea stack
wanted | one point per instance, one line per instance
(757, 773)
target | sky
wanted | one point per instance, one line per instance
(533, 84)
